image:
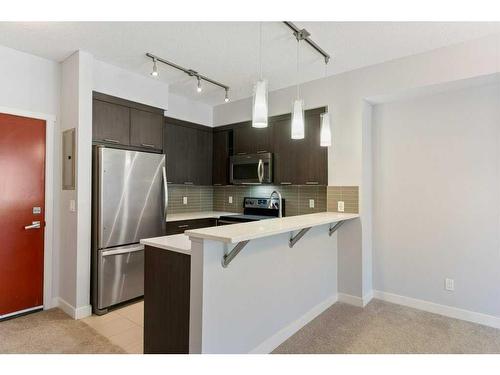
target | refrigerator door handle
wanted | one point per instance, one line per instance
(122, 250)
(165, 192)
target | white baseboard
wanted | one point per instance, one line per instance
(449, 311)
(355, 300)
(75, 313)
(281, 336)
(350, 299)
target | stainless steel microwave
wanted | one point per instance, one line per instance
(251, 169)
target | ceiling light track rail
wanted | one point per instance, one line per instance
(189, 72)
(303, 34)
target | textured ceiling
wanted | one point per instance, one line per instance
(228, 51)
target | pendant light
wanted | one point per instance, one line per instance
(298, 107)
(325, 132)
(260, 109)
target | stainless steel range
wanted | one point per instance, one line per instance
(255, 209)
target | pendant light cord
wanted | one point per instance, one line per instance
(260, 50)
(298, 80)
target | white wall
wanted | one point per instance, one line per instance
(436, 170)
(74, 258)
(112, 80)
(188, 110)
(345, 95)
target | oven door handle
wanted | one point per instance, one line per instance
(260, 170)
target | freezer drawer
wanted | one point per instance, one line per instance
(120, 274)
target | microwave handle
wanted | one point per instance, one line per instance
(260, 170)
(165, 193)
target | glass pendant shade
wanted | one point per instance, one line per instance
(298, 119)
(259, 112)
(325, 132)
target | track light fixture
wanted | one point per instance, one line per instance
(189, 72)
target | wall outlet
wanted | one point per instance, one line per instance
(230, 199)
(340, 206)
(449, 284)
(184, 200)
(311, 203)
(72, 205)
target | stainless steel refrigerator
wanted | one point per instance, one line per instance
(129, 204)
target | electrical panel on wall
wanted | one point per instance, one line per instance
(68, 156)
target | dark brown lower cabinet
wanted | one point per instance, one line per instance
(167, 277)
(177, 227)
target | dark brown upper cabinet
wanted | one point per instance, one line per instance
(299, 161)
(146, 129)
(249, 140)
(188, 150)
(220, 170)
(111, 123)
(124, 123)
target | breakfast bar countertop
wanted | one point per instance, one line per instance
(248, 231)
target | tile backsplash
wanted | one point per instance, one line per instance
(208, 198)
(296, 197)
(348, 194)
(199, 198)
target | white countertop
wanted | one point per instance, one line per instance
(248, 231)
(176, 242)
(197, 215)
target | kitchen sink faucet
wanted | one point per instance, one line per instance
(276, 192)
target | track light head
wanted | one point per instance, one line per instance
(226, 98)
(198, 88)
(154, 73)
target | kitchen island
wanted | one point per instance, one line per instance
(242, 288)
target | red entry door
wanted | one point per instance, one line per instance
(22, 202)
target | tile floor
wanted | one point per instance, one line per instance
(123, 326)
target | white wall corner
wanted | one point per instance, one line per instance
(72, 311)
(350, 299)
(435, 308)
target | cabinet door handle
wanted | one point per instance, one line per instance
(148, 145)
(241, 153)
(217, 184)
(110, 140)
(188, 183)
(311, 182)
(183, 226)
(261, 151)
(285, 183)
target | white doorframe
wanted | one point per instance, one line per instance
(49, 300)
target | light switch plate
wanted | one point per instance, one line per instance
(311, 203)
(184, 200)
(230, 199)
(340, 206)
(72, 205)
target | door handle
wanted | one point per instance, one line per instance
(34, 225)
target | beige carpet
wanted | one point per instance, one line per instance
(51, 331)
(383, 327)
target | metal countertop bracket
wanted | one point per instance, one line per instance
(294, 239)
(333, 229)
(227, 258)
